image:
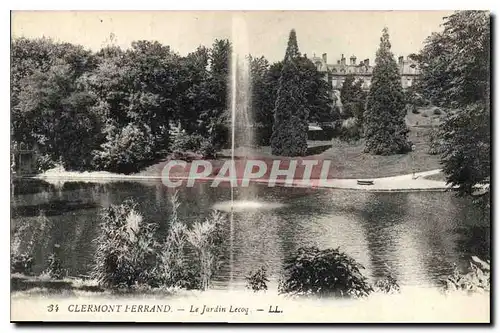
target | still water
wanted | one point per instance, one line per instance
(419, 236)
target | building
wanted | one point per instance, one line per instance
(362, 70)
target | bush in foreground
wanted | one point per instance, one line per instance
(476, 279)
(126, 249)
(323, 273)
(129, 254)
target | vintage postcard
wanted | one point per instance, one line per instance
(250, 166)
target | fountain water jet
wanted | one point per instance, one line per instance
(242, 122)
(242, 129)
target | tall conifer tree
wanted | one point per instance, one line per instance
(386, 132)
(290, 126)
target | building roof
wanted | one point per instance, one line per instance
(407, 66)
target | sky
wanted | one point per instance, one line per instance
(264, 33)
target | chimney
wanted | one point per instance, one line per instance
(342, 60)
(324, 57)
(400, 60)
(353, 60)
(338, 62)
(367, 62)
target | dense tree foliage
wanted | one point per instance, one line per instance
(56, 114)
(455, 63)
(116, 109)
(265, 83)
(262, 99)
(455, 67)
(385, 127)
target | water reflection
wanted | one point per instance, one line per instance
(382, 221)
(417, 235)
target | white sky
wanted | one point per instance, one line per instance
(332, 32)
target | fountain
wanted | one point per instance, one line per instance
(242, 129)
(242, 126)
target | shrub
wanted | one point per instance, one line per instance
(127, 150)
(187, 142)
(189, 146)
(324, 273)
(257, 280)
(126, 249)
(350, 130)
(414, 98)
(184, 156)
(435, 142)
(476, 279)
(129, 256)
(207, 149)
(437, 111)
(44, 162)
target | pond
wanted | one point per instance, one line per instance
(419, 236)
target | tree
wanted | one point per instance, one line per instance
(466, 152)
(317, 91)
(262, 98)
(385, 128)
(353, 98)
(154, 78)
(291, 114)
(455, 74)
(55, 113)
(39, 54)
(215, 117)
(455, 63)
(194, 95)
(138, 95)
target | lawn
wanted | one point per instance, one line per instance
(349, 161)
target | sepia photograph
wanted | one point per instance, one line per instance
(250, 166)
